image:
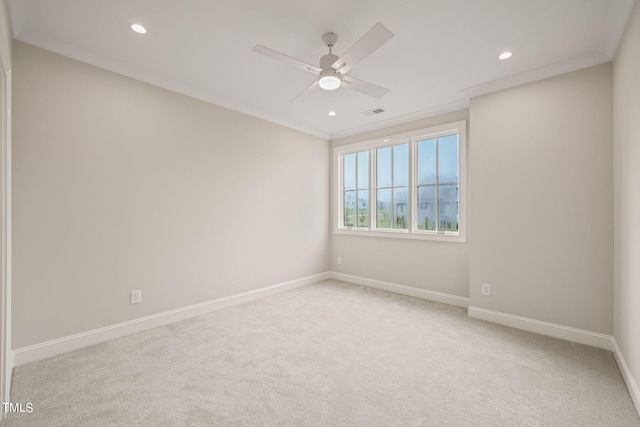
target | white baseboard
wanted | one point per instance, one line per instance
(568, 333)
(62, 345)
(631, 383)
(402, 289)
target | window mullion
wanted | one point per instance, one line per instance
(373, 192)
(437, 190)
(393, 205)
(342, 190)
(355, 220)
(410, 184)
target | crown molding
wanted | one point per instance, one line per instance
(612, 32)
(78, 53)
(551, 70)
(87, 56)
(405, 118)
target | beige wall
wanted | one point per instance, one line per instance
(434, 266)
(120, 185)
(626, 120)
(541, 200)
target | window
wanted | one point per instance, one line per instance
(355, 176)
(392, 186)
(437, 184)
(415, 182)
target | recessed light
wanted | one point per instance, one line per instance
(138, 28)
(386, 140)
(332, 113)
(505, 55)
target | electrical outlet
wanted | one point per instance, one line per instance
(339, 260)
(136, 297)
(486, 289)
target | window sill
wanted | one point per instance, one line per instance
(403, 234)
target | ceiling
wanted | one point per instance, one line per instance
(443, 52)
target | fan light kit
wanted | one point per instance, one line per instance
(332, 72)
(329, 80)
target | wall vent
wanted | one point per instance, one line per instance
(373, 112)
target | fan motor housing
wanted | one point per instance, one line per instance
(327, 61)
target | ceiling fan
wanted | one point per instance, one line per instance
(332, 72)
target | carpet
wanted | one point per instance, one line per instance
(327, 354)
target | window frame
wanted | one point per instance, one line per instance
(412, 138)
(356, 189)
(373, 222)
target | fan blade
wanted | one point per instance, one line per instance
(364, 87)
(375, 37)
(305, 93)
(286, 59)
